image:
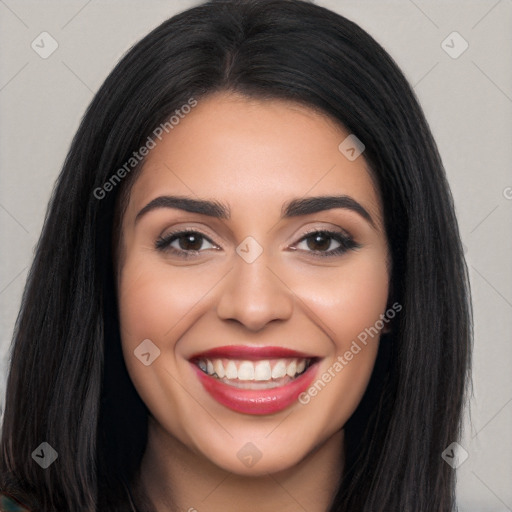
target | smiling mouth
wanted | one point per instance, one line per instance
(259, 374)
(256, 380)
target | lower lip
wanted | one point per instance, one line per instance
(256, 401)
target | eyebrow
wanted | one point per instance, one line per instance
(293, 208)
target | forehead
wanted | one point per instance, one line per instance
(254, 154)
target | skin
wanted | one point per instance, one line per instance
(254, 156)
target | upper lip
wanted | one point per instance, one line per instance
(250, 353)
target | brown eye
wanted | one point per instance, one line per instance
(184, 242)
(327, 243)
(319, 242)
(190, 241)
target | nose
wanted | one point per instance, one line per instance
(254, 295)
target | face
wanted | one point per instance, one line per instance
(243, 301)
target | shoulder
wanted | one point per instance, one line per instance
(10, 504)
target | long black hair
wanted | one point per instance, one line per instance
(68, 385)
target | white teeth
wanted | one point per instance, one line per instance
(253, 371)
(219, 368)
(231, 371)
(262, 371)
(279, 370)
(292, 369)
(246, 371)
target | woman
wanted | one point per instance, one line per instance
(249, 292)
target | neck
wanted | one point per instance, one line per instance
(175, 478)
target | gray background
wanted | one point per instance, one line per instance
(467, 101)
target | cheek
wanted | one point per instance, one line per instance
(149, 308)
(156, 302)
(160, 303)
(347, 299)
(348, 304)
(154, 299)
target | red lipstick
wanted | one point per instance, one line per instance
(264, 400)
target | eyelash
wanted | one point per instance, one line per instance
(346, 242)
